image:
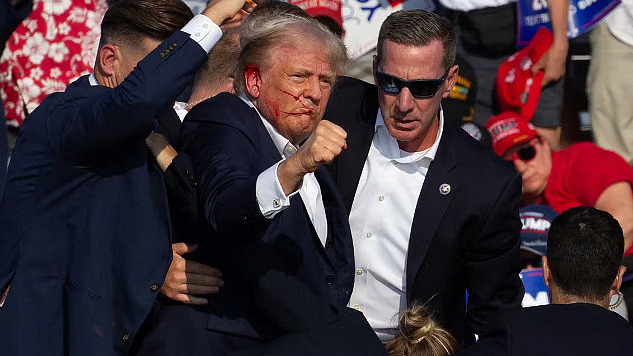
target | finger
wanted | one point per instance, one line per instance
(203, 280)
(188, 299)
(200, 268)
(539, 65)
(182, 248)
(335, 128)
(249, 5)
(198, 290)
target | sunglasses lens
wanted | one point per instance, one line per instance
(527, 153)
(424, 89)
(388, 83)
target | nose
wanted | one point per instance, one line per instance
(405, 101)
(313, 90)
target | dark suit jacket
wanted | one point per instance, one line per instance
(85, 228)
(309, 325)
(230, 147)
(467, 240)
(559, 329)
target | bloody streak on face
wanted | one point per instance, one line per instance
(292, 92)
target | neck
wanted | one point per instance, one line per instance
(103, 79)
(558, 296)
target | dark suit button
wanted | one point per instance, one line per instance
(126, 337)
(162, 55)
(154, 287)
(330, 279)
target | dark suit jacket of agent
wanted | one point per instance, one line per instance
(85, 227)
(230, 147)
(559, 329)
(181, 183)
(467, 239)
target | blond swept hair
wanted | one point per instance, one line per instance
(420, 335)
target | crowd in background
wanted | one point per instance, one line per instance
(164, 157)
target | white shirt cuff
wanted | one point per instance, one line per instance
(204, 31)
(270, 195)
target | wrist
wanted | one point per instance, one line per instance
(215, 15)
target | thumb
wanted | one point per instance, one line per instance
(182, 248)
(539, 65)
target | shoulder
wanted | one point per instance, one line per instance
(478, 160)
(594, 163)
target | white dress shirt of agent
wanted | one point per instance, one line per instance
(408, 131)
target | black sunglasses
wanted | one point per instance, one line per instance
(525, 153)
(421, 88)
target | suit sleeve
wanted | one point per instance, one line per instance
(492, 262)
(96, 125)
(224, 161)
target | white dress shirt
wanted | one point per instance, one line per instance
(380, 219)
(468, 5)
(270, 195)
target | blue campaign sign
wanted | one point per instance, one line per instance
(583, 15)
(535, 288)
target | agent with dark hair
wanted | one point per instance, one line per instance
(582, 270)
(433, 213)
(85, 241)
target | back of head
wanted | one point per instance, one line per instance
(584, 252)
(217, 71)
(128, 22)
(275, 7)
(261, 36)
(418, 28)
(420, 335)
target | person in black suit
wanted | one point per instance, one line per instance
(262, 197)
(583, 271)
(433, 213)
(85, 240)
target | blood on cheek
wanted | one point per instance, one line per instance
(307, 109)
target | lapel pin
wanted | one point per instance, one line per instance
(445, 189)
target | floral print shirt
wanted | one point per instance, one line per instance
(54, 46)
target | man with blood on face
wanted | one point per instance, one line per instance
(268, 202)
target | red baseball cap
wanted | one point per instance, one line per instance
(327, 8)
(509, 129)
(517, 89)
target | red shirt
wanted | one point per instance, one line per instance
(581, 173)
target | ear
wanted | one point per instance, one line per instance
(253, 80)
(547, 275)
(106, 59)
(451, 79)
(617, 283)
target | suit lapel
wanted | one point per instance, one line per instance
(351, 162)
(432, 203)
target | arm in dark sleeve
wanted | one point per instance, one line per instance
(224, 161)
(492, 262)
(95, 124)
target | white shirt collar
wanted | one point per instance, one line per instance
(283, 145)
(389, 145)
(93, 80)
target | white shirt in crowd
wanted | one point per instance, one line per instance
(270, 194)
(380, 219)
(620, 22)
(468, 5)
